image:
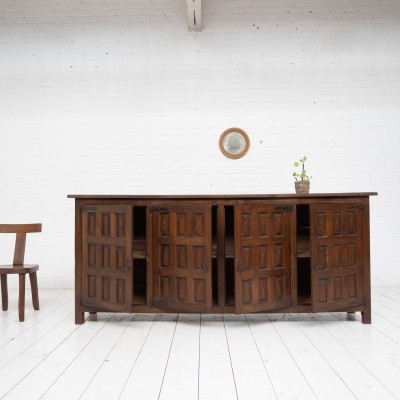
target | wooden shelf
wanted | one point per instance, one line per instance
(303, 245)
(229, 248)
(304, 300)
(139, 300)
(230, 301)
(139, 249)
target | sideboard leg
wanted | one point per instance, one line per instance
(351, 316)
(92, 316)
(79, 317)
(366, 316)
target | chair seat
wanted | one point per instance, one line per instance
(18, 269)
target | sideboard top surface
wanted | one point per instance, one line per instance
(220, 196)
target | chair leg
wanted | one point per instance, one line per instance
(34, 289)
(21, 299)
(4, 293)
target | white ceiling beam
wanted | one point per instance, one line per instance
(193, 9)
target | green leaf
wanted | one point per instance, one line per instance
(304, 158)
(296, 164)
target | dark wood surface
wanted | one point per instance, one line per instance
(106, 266)
(219, 196)
(337, 267)
(222, 253)
(182, 257)
(262, 267)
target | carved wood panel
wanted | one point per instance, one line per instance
(336, 256)
(263, 259)
(107, 277)
(182, 257)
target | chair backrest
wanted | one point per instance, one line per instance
(21, 230)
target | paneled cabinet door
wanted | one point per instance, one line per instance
(263, 257)
(182, 257)
(107, 257)
(336, 256)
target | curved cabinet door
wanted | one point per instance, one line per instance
(262, 257)
(181, 237)
(107, 257)
(337, 256)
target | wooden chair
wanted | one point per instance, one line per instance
(18, 267)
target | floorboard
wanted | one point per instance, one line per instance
(320, 375)
(216, 379)
(278, 360)
(145, 379)
(183, 361)
(199, 357)
(251, 383)
(355, 361)
(120, 360)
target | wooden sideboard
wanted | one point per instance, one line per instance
(222, 253)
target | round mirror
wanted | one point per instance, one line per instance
(234, 142)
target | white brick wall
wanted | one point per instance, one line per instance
(119, 97)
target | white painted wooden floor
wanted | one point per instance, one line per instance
(172, 357)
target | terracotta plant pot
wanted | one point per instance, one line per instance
(302, 187)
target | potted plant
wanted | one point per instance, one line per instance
(302, 183)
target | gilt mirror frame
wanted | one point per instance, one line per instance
(234, 143)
